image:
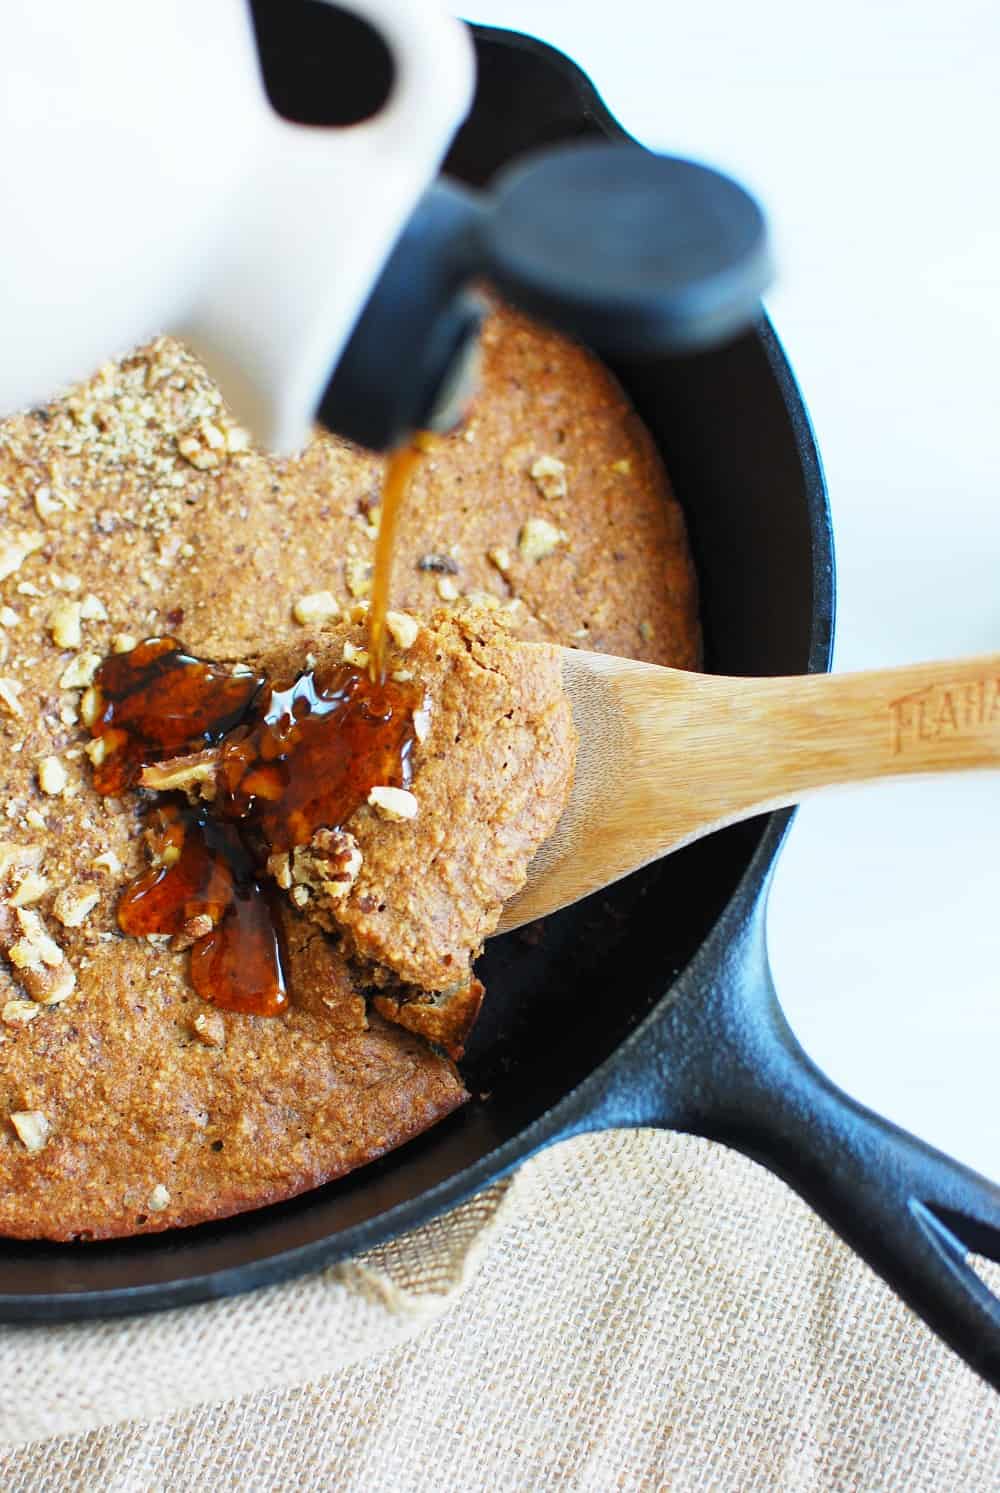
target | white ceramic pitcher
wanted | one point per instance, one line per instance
(146, 185)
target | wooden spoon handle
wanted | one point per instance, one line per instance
(755, 744)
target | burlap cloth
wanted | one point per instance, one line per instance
(633, 1310)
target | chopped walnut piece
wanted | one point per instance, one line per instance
(356, 656)
(107, 861)
(72, 906)
(539, 538)
(210, 1027)
(394, 804)
(30, 887)
(33, 1129)
(204, 446)
(10, 696)
(446, 589)
(328, 865)
(197, 927)
(122, 642)
(52, 776)
(64, 624)
(358, 575)
(316, 608)
(36, 946)
(19, 1012)
(37, 959)
(46, 506)
(92, 609)
(97, 750)
(299, 895)
(80, 671)
(484, 599)
(403, 628)
(15, 549)
(279, 868)
(159, 1199)
(194, 774)
(422, 723)
(549, 474)
(15, 859)
(91, 705)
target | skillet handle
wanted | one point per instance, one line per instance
(911, 1212)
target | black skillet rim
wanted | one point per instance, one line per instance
(580, 1109)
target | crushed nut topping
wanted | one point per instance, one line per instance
(19, 1013)
(394, 804)
(33, 1129)
(403, 629)
(15, 549)
(422, 723)
(549, 474)
(80, 671)
(279, 869)
(210, 1027)
(356, 656)
(329, 864)
(484, 599)
(316, 608)
(30, 887)
(36, 947)
(92, 609)
(52, 776)
(193, 774)
(207, 445)
(195, 928)
(91, 705)
(10, 697)
(46, 506)
(72, 907)
(539, 538)
(358, 575)
(64, 624)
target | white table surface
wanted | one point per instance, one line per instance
(871, 132)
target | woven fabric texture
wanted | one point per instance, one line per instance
(635, 1311)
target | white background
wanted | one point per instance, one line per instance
(871, 131)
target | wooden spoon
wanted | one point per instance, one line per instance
(667, 756)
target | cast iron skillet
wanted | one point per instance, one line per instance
(652, 1004)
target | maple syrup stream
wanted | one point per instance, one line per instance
(279, 764)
